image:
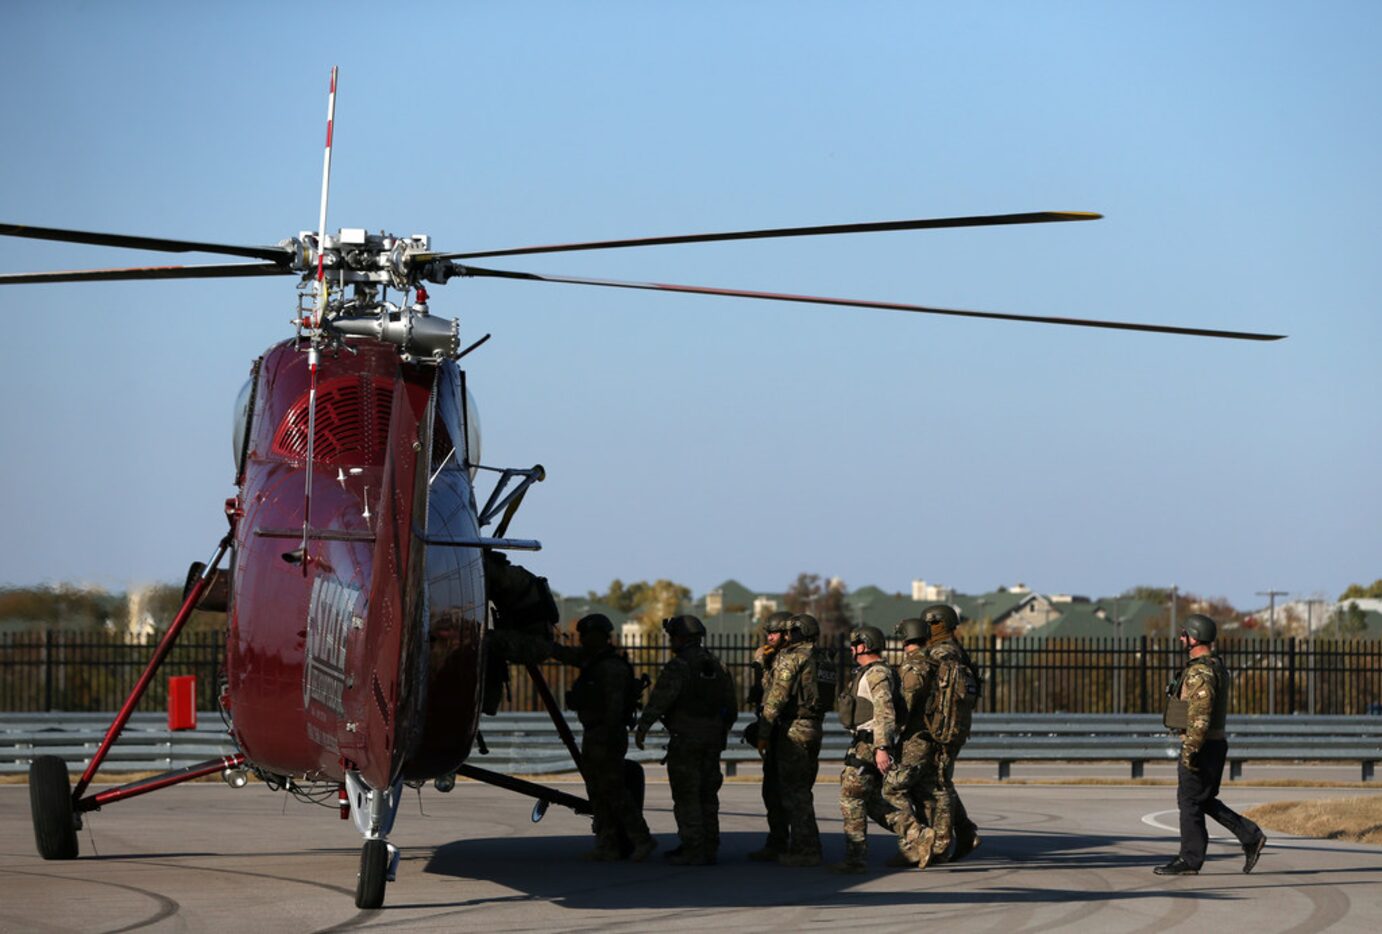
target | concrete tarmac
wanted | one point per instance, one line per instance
(203, 857)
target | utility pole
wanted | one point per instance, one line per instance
(1174, 592)
(1271, 595)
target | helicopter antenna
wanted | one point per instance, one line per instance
(314, 351)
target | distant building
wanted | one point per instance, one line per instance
(923, 592)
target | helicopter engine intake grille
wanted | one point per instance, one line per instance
(352, 423)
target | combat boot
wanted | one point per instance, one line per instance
(642, 849)
(690, 857)
(923, 848)
(855, 860)
(802, 857)
(965, 845)
(769, 852)
(602, 854)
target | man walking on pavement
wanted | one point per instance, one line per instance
(1197, 706)
(868, 708)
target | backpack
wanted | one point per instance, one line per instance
(950, 706)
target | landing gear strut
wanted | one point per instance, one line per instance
(373, 811)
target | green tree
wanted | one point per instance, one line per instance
(826, 603)
(1359, 592)
(61, 605)
(163, 603)
(657, 601)
(1347, 621)
(804, 593)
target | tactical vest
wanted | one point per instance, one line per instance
(1176, 716)
(816, 685)
(916, 706)
(854, 710)
(584, 698)
(703, 701)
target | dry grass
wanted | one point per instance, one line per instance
(1358, 820)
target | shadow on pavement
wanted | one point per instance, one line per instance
(550, 870)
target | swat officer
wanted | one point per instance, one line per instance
(602, 697)
(694, 698)
(935, 656)
(918, 773)
(1198, 705)
(773, 635)
(801, 690)
(868, 708)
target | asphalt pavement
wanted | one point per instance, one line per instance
(204, 857)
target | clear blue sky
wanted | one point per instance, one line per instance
(1234, 148)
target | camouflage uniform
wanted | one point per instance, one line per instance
(599, 699)
(792, 713)
(933, 793)
(920, 771)
(779, 825)
(695, 699)
(1204, 686)
(862, 791)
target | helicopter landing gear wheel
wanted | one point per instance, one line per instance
(50, 802)
(374, 873)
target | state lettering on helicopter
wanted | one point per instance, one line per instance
(331, 614)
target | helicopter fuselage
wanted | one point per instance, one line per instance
(355, 635)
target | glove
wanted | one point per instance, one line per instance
(762, 736)
(750, 734)
(639, 736)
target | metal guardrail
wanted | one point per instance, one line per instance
(527, 743)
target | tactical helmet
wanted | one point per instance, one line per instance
(683, 626)
(913, 629)
(870, 637)
(777, 622)
(1200, 628)
(805, 625)
(940, 614)
(595, 622)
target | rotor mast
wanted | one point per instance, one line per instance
(314, 350)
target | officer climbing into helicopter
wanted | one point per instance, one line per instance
(605, 697)
(695, 699)
(525, 619)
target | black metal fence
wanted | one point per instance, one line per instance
(80, 671)
(87, 672)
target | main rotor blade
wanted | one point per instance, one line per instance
(213, 271)
(985, 220)
(274, 253)
(857, 303)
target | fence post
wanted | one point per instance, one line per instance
(993, 673)
(47, 669)
(1142, 673)
(1291, 675)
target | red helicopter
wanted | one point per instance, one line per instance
(360, 619)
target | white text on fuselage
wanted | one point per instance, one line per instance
(330, 616)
